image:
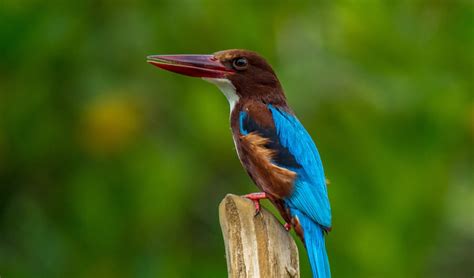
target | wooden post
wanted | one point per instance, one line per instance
(256, 246)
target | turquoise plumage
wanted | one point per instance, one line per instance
(310, 192)
(309, 201)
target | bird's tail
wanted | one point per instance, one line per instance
(315, 246)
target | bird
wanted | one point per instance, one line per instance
(273, 146)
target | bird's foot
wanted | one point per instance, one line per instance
(287, 227)
(255, 198)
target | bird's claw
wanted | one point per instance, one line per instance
(287, 227)
(255, 198)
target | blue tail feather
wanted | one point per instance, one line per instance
(315, 245)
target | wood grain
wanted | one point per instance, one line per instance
(255, 245)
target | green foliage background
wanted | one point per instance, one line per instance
(112, 168)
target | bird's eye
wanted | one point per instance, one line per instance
(240, 63)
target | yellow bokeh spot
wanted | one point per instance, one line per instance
(110, 124)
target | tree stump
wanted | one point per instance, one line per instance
(256, 245)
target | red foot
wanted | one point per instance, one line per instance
(287, 226)
(256, 197)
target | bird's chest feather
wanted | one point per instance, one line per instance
(252, 128)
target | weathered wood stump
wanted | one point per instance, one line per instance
(256, 245)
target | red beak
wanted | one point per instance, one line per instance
(191, 65)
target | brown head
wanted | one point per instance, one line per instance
(240, 74)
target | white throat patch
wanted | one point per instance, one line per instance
(227, 88)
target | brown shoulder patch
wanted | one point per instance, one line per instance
(273, 179)
(259, 112)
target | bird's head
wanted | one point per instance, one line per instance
(238, 73)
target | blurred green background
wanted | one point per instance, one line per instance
(110, 167)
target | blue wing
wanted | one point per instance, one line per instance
(294, 150)
(310, 192)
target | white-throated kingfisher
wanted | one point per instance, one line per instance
(275, 149)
